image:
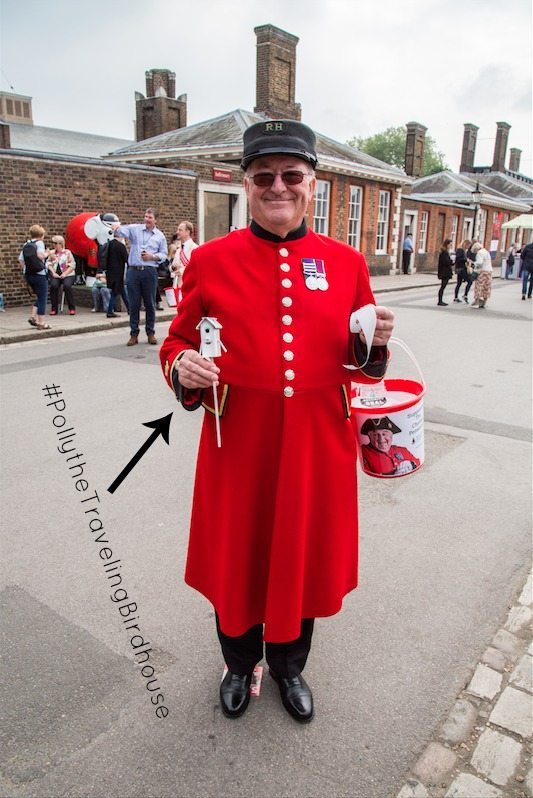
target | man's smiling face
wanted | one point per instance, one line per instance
(279, 208)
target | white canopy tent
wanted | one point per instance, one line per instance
(525, 221)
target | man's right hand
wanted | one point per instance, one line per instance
(194, 371)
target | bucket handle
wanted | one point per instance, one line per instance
(409, 353)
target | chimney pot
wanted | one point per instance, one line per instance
(276, 73)
(414, 148)
(500, 146)
(514, 159)
(159, 112)
(468, 153)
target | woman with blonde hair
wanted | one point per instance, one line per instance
(32, 259)
(483, 284)
(62, 268)
(461, 270)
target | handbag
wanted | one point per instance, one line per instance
(162, 269)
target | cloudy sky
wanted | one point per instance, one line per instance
(362, 65)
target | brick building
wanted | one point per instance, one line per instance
(473, 203)
(357, 199)
(50, 190)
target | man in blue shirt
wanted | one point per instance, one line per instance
(148, 249)
(407, 252)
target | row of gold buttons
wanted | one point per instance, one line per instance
(286, 320)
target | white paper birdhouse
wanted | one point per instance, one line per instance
(210, 343)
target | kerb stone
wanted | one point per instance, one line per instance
(519, 619)
(514, 711)
(413, 789)
(485, 683)
(467, 786)
(522, 676)
(494, 659)
(458, 725)
(434, 764)
(496, 756)
(507, 642)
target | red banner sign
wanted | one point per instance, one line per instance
(222, 175)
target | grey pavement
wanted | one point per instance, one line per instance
(422, 681)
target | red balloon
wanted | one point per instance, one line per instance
(77, 241)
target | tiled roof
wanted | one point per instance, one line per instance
(222, 137)
(63, 142)
(221, 132)
(510, 186)
(457, 188)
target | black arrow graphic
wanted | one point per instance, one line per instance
(161, 426)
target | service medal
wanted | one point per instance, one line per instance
(314, 274)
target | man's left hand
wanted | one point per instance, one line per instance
(147, 256)
(384, 326)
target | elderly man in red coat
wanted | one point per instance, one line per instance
(273, 538)
(380, 456)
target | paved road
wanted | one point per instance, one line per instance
(442, 554)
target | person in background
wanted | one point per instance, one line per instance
(461, 270)
(407, 251)
(116, 261)
(100, 293)
(483, 284)
(445, 268)
(148, 248)
(511, 252)
(527, 270)
(33, 261)
(62, 271)
(182, 256)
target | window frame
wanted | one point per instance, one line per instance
(321, 208)
(423, 232)
(382, 227)
(354, 221)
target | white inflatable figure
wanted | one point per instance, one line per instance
(101, 227)
(210, 347)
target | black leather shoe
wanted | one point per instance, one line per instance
(296, 697)
(235, 694)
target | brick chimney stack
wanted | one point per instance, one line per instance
(469, 148)
(159, 111)
(500, 146)
(514, 159)
(276, 73)
(414, 149)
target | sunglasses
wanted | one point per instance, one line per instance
(266, 179)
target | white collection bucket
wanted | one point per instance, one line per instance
(170, 294)
(388, 418)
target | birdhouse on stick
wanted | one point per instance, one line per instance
(210, 343)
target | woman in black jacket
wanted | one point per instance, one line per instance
(445, 268)
(461, 270)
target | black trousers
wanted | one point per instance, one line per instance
(406, 260)
(242, 653)
(462, 276)
(443, 283)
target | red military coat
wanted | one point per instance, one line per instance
(386, 463)
(273, 535)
